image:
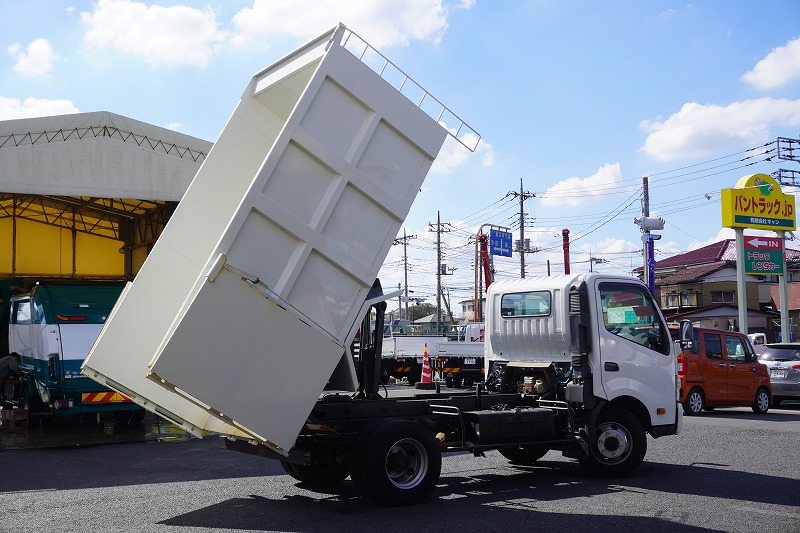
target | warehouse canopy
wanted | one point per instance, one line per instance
(97, 154)
(87, 194)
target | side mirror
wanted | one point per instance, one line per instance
(687, 334)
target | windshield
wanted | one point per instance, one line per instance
(780, 354)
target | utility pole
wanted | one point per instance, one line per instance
(440, 268)
(523, 247)
(647, 223)
(787, 150)
(447, 307)
(404, 241)
(399, 305)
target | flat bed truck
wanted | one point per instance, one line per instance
(267, 271)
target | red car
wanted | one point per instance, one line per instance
(721, 369)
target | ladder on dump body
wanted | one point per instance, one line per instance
(405, 85)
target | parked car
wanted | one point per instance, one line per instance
(783, 361)
(721, 369)
(759, 341)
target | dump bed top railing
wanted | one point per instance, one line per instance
(391, 73)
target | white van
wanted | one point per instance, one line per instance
(758, 340)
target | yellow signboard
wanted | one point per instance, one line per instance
(758, 202)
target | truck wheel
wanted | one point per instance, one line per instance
(33, 406)
(523, 455)
(618, 444)
(457, 382)
(761, 403)
(694, 402)
(399, 463)
(137, 415)
(313, 474)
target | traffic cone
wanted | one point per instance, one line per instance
(426, 381)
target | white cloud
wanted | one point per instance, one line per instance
(176, 35)
(453, 155)
(722, 234)
(37, 59)
(11, 108)
(778, 68)
(699, 130)
(576, 191)
(615, 246)
(386, 23)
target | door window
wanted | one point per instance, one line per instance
(22, 312)
(629, 312)
(737, 349)
(713, 345)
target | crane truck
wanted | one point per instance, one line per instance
(243, 319)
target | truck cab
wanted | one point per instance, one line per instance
(52, 329)
(590, 340)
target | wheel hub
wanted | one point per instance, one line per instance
(612, 442)
(406, 466)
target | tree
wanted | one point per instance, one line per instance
(415, 312)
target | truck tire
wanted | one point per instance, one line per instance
(762, 401)
(617, 445)
(694, 403)
(523, 455)
(34, 406)
(398, 463)
(319, 475)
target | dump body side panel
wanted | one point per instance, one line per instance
(145, 311)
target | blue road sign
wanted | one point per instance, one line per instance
(500, 243)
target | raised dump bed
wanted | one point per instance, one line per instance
(252, 295)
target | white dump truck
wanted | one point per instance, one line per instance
(243, 319)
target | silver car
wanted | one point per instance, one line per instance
(783, 361)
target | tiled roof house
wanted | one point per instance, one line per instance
(701, 285)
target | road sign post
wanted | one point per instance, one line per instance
(500, 243)
(757, 202)
(763, 255)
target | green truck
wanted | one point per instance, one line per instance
(52, 329)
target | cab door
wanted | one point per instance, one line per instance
(20, 329)
(636, 356)
(715, 371)
(742, 370)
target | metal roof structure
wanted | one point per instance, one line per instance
(98, 154)
(98, 173)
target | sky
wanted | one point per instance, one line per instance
(575, 101)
